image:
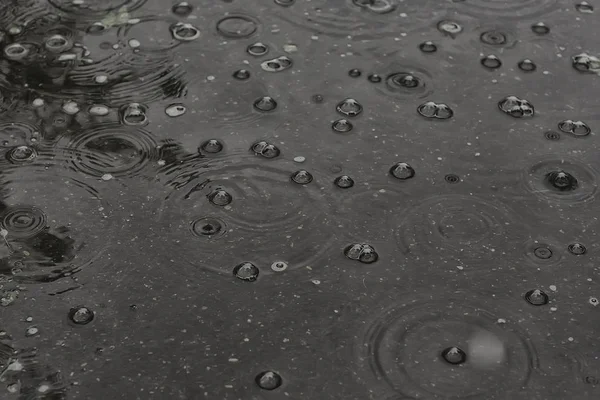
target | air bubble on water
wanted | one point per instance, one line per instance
(182, 9)
(402, 171)
(257, 49)
(21, 154)
(299, 159)
(98, 110)
(449, 27)
(241, 74)
(428, 47)
(38, 102)
(577, 249)
(265, 149)
(342, 126)
(353, 251)
(134, 114)
(101, 79)
(435, 110)
(134, 43)
(516, 107)
(540, 28)
(584, 7)
(211, 146)
(593, 301)
(344, 182)
(279, 266)
(246, 271)
(349, 107)
(368, 255)
(562, 181)
(184, 32)
(81, 315)
(576, 128)
(374, 78)
(491, 62)
(268, 380)
(16, 51)
(454, 355)
(70, 107)
(106, 177)
(277, 64)
(57, 43)
(537, 297)
(527, 65)
(265, 104)
(175, 110)
(32, 331)
(354, 73)
(285, 3)
(220, 197)
(302, 177)
(587, 63)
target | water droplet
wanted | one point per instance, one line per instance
(265, 104)
(491, 62)
(454, 355)
(208, 227)
(516, 107)
(449, 27)
(527, 65)
(277, 64)
(268, 380)
(184, 32)
(182, 9)
(536, 297)
(368, 255)
(302, 177)
(493, 37)
(543, 252)
(562, 180)
(342, 126)
(57, 44)
(576, 128)
(246, 271)
(21, 154)
(584, 7)
(257, 49)
(354, 73)
(211, 146)
(175, 110)
(402, 171)
(134, 114)
(237, 26)
(344, 182)
(279, 266)
(241, 74)
(594, 301)
(540, 28)
(431, 109)
(220, 197)
(349, 107)
(451, 178)
(81, 315)
(374, 78)
(428, 47)
(586, 63)
(552, 135)
(353, 251)
(577, 249)
(265, 149)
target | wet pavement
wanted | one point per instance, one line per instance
(343, 199)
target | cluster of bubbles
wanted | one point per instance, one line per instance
(364, 253)
(586, 63)
(576, 128)
(516, 107)
(435, 110)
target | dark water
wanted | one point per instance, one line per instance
(343, 199)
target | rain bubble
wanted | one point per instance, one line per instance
(542, 252)
(220, 197)
(454, 355)
(402, 171)
(584, 7)
(349, 107)
(536, 297)
(265, 149)
(586, 63)
(449, 27)
(368, 255)
(576, 128)
(182, 9)
(452, 178)
(134, 114)
(403, 80)
(21, 154)
(96, 28)
(428, 47)
(374, 78)
(279, 266)
(246, 271)
(491, 62)
(577, 249)
(265, 104)
(208, 227)
(237, 26)
(70, 107)
(527, 65)
(434, 110)
(493, 38)
(540, 28)
(16, 51)
(353, 251)
(516, 107)
(344, 182)
(593, 301)
(285, 3)
(57, 43)
(562, 180)
(257, 49)
(552, 135)
(342, 126)
(241, 74)
(354, 73)
(184, 32)
(268, 380)
(175, 110)
(277, 64)
(211, 146)
(32, 331)
(81, 315)
(302, 177)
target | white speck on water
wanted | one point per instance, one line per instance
(290, 48)
(299, 159)
(98, 110)
(501, 321)
(210, 78)
(593, 301)
(70, 107)
(101, 79)
(38, 102)
(43, 388)
(552, 287)
(316, 281)
(107, 177)
(134, 43)
(161, 162)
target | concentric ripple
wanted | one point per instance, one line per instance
(111, 149)
(274, 217)
(543, 252)
(403, 348)
(402, 80)
(538, 180)
(54, 225)
(469, 225)
(13, 134)
(511, 9)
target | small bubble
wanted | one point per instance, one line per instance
(586, 63)
(368, 255)
(454, 355)
(536, 297)
(552, 135)
(98, 110)
(184, 32)
(21, 154)
(182, 9)
(57, 43)
(354, 73)
(349, 107)
(402, 171)
(584, 7)
(265, 104)
(257, 49)
(38, 102)
(577, 249)
(238, 26)
(246, 271)
(491, 62)
(134, 114)
(268, 380)
(593, 301)
(279, 266)
(211, 146)
(317, 98)
(353, 251)
(106, 177)
(70, 107)
(449, 27)
(208, 227)
(241, 74)
(428, 47)
(403, 80)
(540, 28)
(342, 126)
(175, 110)
(434, 110)
(542, 252)
(302, 177)
(493, 37)
(81, 315)
(344, 182)
(299, 159)
(220, 198)
(265, 149)
(562, 181)
(96, 28)
(16, 51)
(516, 107)
(451, 178)
(592, 380)
(576, 128)
(32, 331)
(527, 65)
(277, 64)
(374, 78)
